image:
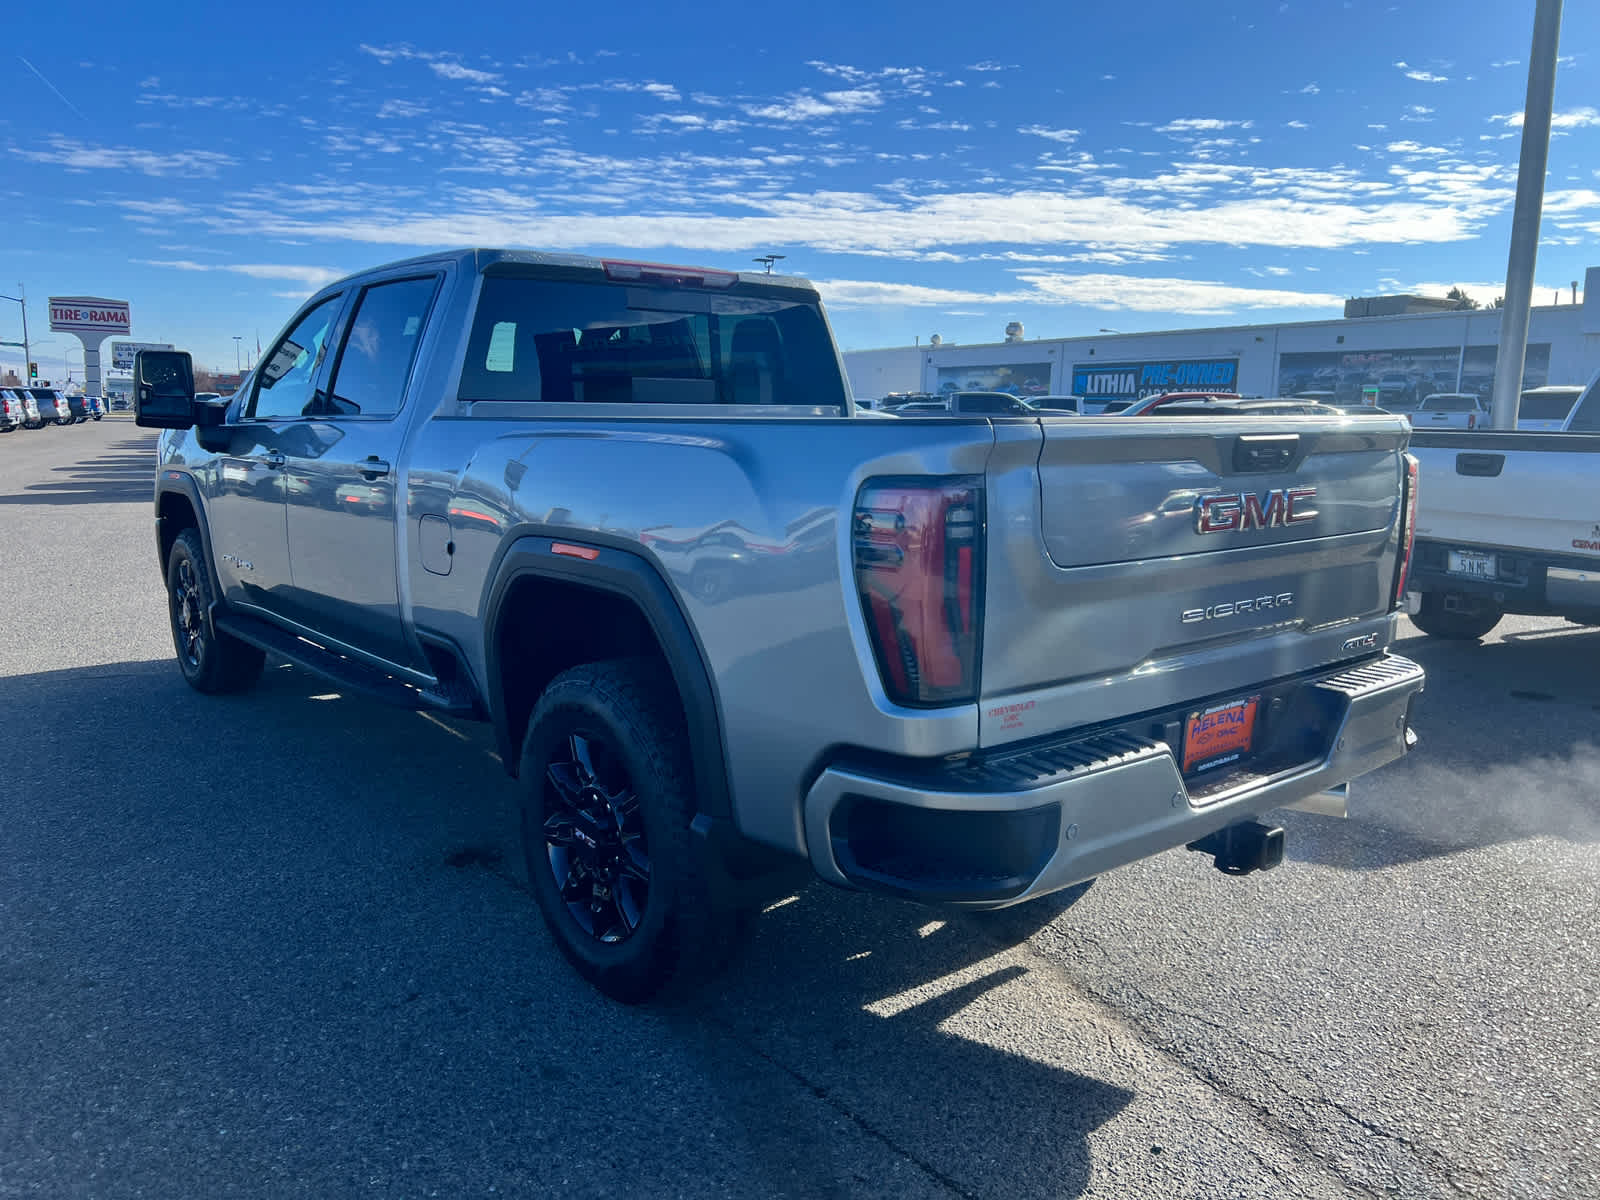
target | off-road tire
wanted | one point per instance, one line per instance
(1454, 625)
(683, 935)
(212, 662)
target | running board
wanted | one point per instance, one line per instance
(446, 695)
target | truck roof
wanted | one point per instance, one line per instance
(479, 259)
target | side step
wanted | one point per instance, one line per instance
(453, 696)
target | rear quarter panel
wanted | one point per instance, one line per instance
(746, 521)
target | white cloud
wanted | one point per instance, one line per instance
(401, 108)
(1054, 135)
(76, 156)
(447, 69)
(1573, 118)
(1297, 125)
(990, 65)
(803, 106)
(1201, 125)
(1107, 292)
(1416, 149)
(1507, 62)
(662, 91)
(311, 277)
(1427, 77)
(1310, 89)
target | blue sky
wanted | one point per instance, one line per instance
(935, 168)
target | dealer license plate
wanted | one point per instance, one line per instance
(1471, 564)
(1219, 735)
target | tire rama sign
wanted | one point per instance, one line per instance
(89, 315)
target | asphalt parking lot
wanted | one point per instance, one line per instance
(278, 944)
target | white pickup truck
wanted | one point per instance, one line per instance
(1507, 523)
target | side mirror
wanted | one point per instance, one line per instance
(163, 389)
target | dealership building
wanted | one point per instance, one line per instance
(1410, 346)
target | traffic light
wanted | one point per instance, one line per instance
(33, 370)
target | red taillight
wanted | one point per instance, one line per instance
(660, 273)
(1408, 532)
(918, 552)
(1472, 420)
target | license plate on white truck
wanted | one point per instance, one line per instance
(1471, 564)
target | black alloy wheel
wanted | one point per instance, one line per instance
(608, 799)
(211, 661)
(188, 619)
(595, 839)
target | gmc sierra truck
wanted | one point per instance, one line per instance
(1509, 522)
(731, 635)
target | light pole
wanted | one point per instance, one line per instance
(1512, 355)
(769, 259)
(237, 338)
(21, 298)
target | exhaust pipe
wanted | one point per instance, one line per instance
(1242, 848)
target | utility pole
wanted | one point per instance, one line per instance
(237, 338)
(1525, 217)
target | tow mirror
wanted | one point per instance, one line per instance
(163, 389)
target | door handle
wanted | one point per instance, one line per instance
(372, 467)
(273, 460)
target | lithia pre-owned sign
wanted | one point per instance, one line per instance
(89, 314)
(1136, 380)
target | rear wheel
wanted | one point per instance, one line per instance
(211, 661)
(1456, 616)
(606, 805)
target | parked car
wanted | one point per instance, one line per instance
(97, 406)
(969, 404)
(30, 407)
(938, 682)
(53, 407)
(1546, 409)
(1395, 390)
(78, 406)
(1505, 525)
(13, 415)
(1450, 410)
(1225, 406)
(1152, 404)
(1061, 404)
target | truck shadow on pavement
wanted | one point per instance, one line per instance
(1509, 749)
(124, 472)
(300, 918)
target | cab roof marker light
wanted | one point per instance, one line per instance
(625, 271)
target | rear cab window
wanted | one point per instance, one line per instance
(1546, 406)
(558, 342)
(1586, 415)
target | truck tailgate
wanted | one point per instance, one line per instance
(1141, 563)
(1525, 491)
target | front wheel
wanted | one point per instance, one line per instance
(607, 798)
(1470, 618)
(211, 662)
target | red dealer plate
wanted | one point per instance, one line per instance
(1219, 735)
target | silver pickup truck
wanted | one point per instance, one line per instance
(725, 628)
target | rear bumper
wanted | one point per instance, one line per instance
(1532, 582)
(1013, 825)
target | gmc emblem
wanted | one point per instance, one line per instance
(1242, 511)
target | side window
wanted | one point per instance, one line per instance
(285, 380)
(375, 361)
